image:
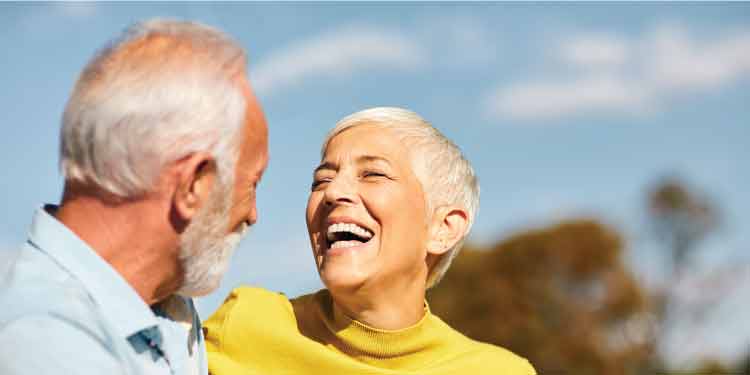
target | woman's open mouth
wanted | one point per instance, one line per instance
(346, 235)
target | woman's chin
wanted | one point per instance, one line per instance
(338, 278)
(348, 267)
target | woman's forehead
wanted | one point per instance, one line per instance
(366, 143)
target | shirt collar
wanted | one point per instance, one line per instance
(118, 301)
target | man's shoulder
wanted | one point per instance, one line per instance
(49, 323)
(47, 328)
(45, 343)
(34, 285)
(54, 342)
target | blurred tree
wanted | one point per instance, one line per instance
(560, 296)
(713, 367)
(563, 298)
(681, 219)
(744, 367)
(708, 367)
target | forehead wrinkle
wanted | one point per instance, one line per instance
(363, 159)
(347, 151)
(371, 159)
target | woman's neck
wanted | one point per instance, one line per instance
(390, 308)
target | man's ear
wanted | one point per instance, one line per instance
(448, 226)
(195, 179)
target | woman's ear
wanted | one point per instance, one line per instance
(449, 225)
(195, 179)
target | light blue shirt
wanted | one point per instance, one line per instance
(64, 310)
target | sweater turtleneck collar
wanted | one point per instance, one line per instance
(408, 348)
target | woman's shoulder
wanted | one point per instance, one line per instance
(505, 361)
(484, 358)
(249, 306)
(251, 294)
(251, 331)
(248, 309)
(256, 301)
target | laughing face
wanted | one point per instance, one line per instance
(366, 214)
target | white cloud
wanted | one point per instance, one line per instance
(77, 9)
(457, 41)
(681, 63)
(444, 42)
(595, 50)
(618, 75)
(542, 100)
(34, 19)
(338, 53)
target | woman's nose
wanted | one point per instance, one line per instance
(340, 190)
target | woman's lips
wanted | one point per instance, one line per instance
(343, 247)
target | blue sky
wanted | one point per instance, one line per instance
(564, 109)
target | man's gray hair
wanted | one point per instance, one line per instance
(161, 91)
(446, 176)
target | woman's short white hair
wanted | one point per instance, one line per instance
(161, 91)
(445, 174)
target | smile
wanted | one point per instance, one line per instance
(347, 235)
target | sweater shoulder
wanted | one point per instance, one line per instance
(254, 303)
(258, 296)
(247, 312)
(484, 358)
(496, 358)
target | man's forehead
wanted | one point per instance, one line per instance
(253, 110)
(255, 129)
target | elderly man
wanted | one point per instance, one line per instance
(162, 146)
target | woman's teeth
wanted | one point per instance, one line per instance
(344, 244)
(354, 229)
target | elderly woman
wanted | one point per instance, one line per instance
(390, 205)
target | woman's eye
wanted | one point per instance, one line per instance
(317, 183)
(373, 174)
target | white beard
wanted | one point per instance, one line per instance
(205, 248)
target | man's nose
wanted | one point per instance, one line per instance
(252, 215)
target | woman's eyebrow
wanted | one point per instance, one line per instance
(371, 158)
(327, 165)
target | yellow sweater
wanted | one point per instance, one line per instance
(260, 332)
